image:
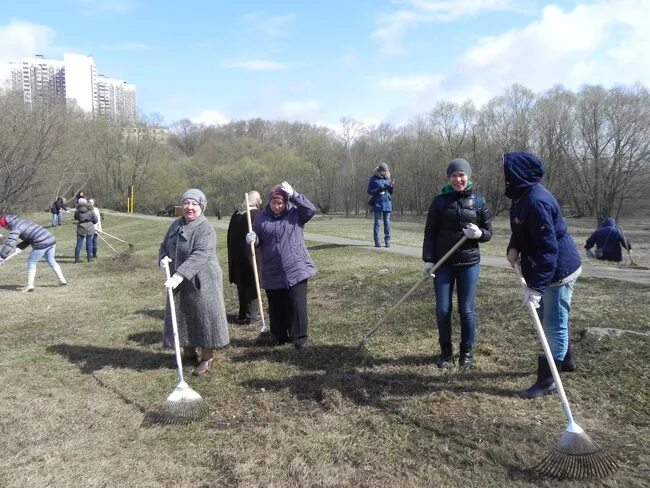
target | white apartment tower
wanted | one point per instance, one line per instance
(73, 80)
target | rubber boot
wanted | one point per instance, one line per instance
(59, 274)
(31, 274)
(465, 359)
(568, 363)
(544, 384)
(446, 357)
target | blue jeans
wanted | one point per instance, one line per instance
(466, 279)
(379, 215)
(94, 244)
(89, 246)
(36, 255)
(56, 219)
(554, 311)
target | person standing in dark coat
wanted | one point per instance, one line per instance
(30, 234)
(286, 265)
(86, 220)
(197, 284)
(541, 245)
(458, 211)
(56, 209)
(609, 240)
(240, 264)
(380, 189)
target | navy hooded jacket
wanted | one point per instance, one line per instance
(539, 231)
(609, 238)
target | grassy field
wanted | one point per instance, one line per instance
(82, 365)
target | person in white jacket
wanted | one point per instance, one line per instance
(98, 226)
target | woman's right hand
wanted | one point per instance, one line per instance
(251, 238)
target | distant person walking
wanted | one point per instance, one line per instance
(240, 260)
(30, 234)
(456, 212)
(286, 265)
(86, 220)
(550, 263)
(98, 227)
(196, 281)
(380, 189)
(56, 210)
(608, 239)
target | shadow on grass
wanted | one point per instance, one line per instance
(10, 287)
(147, 338)
(91, 358)
(154, 313)
(322, 247)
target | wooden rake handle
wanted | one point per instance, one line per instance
(255, 272)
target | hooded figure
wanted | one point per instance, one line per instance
(549, 260)
(86, 220)
(608, 239)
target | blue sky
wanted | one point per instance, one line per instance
(318, 61)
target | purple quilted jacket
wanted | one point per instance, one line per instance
(285, 260)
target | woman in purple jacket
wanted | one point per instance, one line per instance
(286, 265)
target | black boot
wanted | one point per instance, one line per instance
(76, 259)
(568, 363)
(465, 359)
(446, 357)
(544, 384)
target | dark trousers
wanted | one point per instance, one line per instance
(248, 303)
(288, 313)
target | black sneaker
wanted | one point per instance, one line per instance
(445, 361)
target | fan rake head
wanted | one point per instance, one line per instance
(576, 457)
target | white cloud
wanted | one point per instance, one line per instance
(413, 83)
(21, 39)
(299, 109)
(415, 13)
(256, 65)
(210, 117)
(273, 26)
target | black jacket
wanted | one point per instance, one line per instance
(449, 213)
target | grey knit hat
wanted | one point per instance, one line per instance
(82, 201)
(459, 165)
(196, 195)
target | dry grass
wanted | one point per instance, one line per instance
(82, 365)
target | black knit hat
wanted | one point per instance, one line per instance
(459, 165)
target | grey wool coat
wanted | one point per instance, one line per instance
(200, 308)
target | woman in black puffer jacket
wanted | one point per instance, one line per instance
(456, 212)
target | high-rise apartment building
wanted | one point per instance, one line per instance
(73, 80)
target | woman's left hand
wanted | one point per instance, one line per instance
(286, 187)
(472, 231)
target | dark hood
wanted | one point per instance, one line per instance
(522, 170)
(608, 222)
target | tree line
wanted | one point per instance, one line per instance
(594, 143)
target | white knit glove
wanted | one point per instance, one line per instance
(426, 270)
(18, 250)
(472, 231)
(287, 188)
(174, 281)
(251, 237)
(531, 296)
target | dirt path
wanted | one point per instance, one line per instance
(613, 273)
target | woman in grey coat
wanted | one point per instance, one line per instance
(191, 244)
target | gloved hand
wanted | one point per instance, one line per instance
(472, 231)
(18, 250)
(590, 253)
(531, 296)
(162, 262)
(426, 270)
(251, 238)
(174, 281)
(286, 187)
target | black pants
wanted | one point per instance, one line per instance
(248, 304)
(288, 313)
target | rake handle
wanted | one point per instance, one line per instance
(572, 426)
(172, 304)
(255, 273)
(440, 262)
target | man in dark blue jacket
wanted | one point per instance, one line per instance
(608, 239)
(549, 260)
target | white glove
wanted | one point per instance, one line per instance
(472, 231)
(162, 262)
(174, 281)
(286, 187)
(531, 296)
(426, 270)
(18, 250)
(251, 238)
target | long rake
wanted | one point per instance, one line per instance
(265, 328)
(362, 345)
(183, 405)
(117, 239)
(575, 456)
